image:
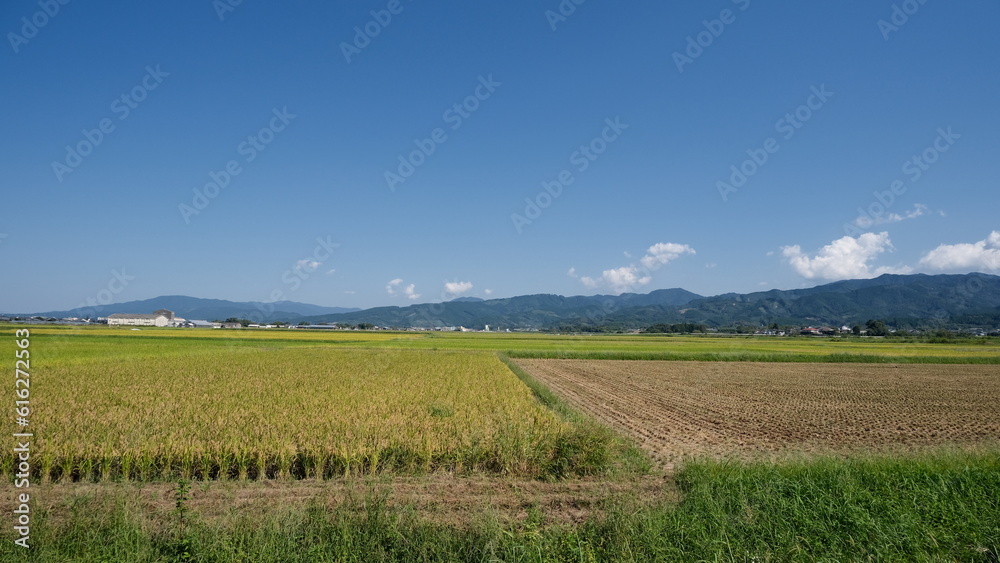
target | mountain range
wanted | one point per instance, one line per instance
(903, 301)
(205, 309)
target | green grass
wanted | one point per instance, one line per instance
(943, 506)
(936, 507)
(87, 342)
(542, 393)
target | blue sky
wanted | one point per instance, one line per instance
(253, 152)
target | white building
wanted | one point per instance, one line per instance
(128, 319)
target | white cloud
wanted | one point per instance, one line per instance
(331, 272)
(844, 258)
(634, 276)
(625, 279)
(918, 210)
(982, 255)
(457, 288)
(411, 292)
(618, 280)
(307, 265)
(663, 252)
(487, 292)
(390, 287)
(349, 291)
(864, 221)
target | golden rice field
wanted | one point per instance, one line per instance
(157, 404)
(259, 412)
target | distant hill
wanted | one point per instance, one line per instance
(919, 300)
(526, 311)
(904, 301)
(206, 309)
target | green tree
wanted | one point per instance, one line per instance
(876, 328)
(683, 328)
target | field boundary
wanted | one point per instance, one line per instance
(592, 447)
(543, 394)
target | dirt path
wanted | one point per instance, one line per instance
(441, 498)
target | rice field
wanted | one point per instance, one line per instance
(162, 409)
(160, 404)
(95, 339)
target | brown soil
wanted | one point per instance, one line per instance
(677, 409)
(440, 498)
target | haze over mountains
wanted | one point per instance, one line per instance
(204, 309)
(902, 300)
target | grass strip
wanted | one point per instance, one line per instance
(590, 448)
(930, 507)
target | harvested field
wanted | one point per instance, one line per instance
(677, 409)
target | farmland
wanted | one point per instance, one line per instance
(97, 341)
(678, 409)
(113, 403)
(291, 445)
(147, 412)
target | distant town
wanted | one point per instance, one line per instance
(165, 318)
